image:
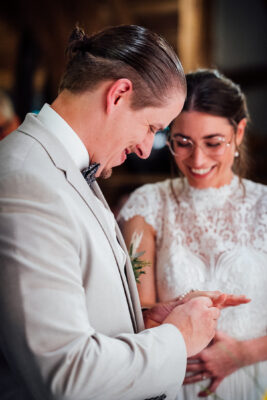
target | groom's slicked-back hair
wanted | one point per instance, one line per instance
(126, 51)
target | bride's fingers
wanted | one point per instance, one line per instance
(197, 367)
(233, 300)
(211, 388)
(219, 301)
(225, 300)
(197, 377)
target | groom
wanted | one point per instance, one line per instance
(71, 323)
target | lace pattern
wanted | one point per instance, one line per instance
(211, 239)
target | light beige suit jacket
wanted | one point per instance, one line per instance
(71, 323)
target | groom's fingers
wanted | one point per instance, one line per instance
(216, 297)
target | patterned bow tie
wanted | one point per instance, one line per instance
(89, 173)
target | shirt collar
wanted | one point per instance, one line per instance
(65, 134)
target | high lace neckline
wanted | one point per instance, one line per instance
(208, 197)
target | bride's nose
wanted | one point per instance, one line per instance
(198, 155)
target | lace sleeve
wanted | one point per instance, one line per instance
(144, 201)
(260, 238)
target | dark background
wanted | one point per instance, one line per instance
(226, 34)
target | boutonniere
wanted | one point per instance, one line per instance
(137, 264)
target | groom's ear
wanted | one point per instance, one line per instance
(118, 93)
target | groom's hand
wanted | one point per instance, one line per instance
(196, 320)
(155, 315)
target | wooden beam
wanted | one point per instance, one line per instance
(162, 7)
(123, 12)
(192, 34)
(6, 79)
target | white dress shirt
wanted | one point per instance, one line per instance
(65, 134)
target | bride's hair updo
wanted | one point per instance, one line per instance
(126, 51)
(210, 92)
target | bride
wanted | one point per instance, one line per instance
(207, 230)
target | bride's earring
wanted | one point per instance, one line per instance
(236, 153)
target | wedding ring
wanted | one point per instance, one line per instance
(203, 377)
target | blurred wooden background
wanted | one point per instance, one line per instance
(229, 35)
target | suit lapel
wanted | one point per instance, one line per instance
(127, 275)
(60, 157)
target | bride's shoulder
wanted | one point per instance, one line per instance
(257, 187)
(157, 194)
(149, 201)
(256, 191)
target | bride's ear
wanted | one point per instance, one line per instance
(241, 127)
(118, 92)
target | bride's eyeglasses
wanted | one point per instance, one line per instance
(213, 146)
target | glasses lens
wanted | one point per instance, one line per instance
(214, 146)
(183, 147)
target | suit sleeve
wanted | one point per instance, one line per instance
(46, 334)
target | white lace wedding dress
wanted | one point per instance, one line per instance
(213, 239)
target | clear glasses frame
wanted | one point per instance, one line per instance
(184, 147)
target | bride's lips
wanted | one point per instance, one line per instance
(201, 172)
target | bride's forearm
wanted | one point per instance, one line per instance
(254, 350)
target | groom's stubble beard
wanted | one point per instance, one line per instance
(106, 173)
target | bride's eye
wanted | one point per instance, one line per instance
(183, 142)
(215, 142)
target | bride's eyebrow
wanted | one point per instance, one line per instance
(212, 135)
(209, 136)
(181, 135)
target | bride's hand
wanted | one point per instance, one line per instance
(155, 315)
(221, 358)
(219, 299)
